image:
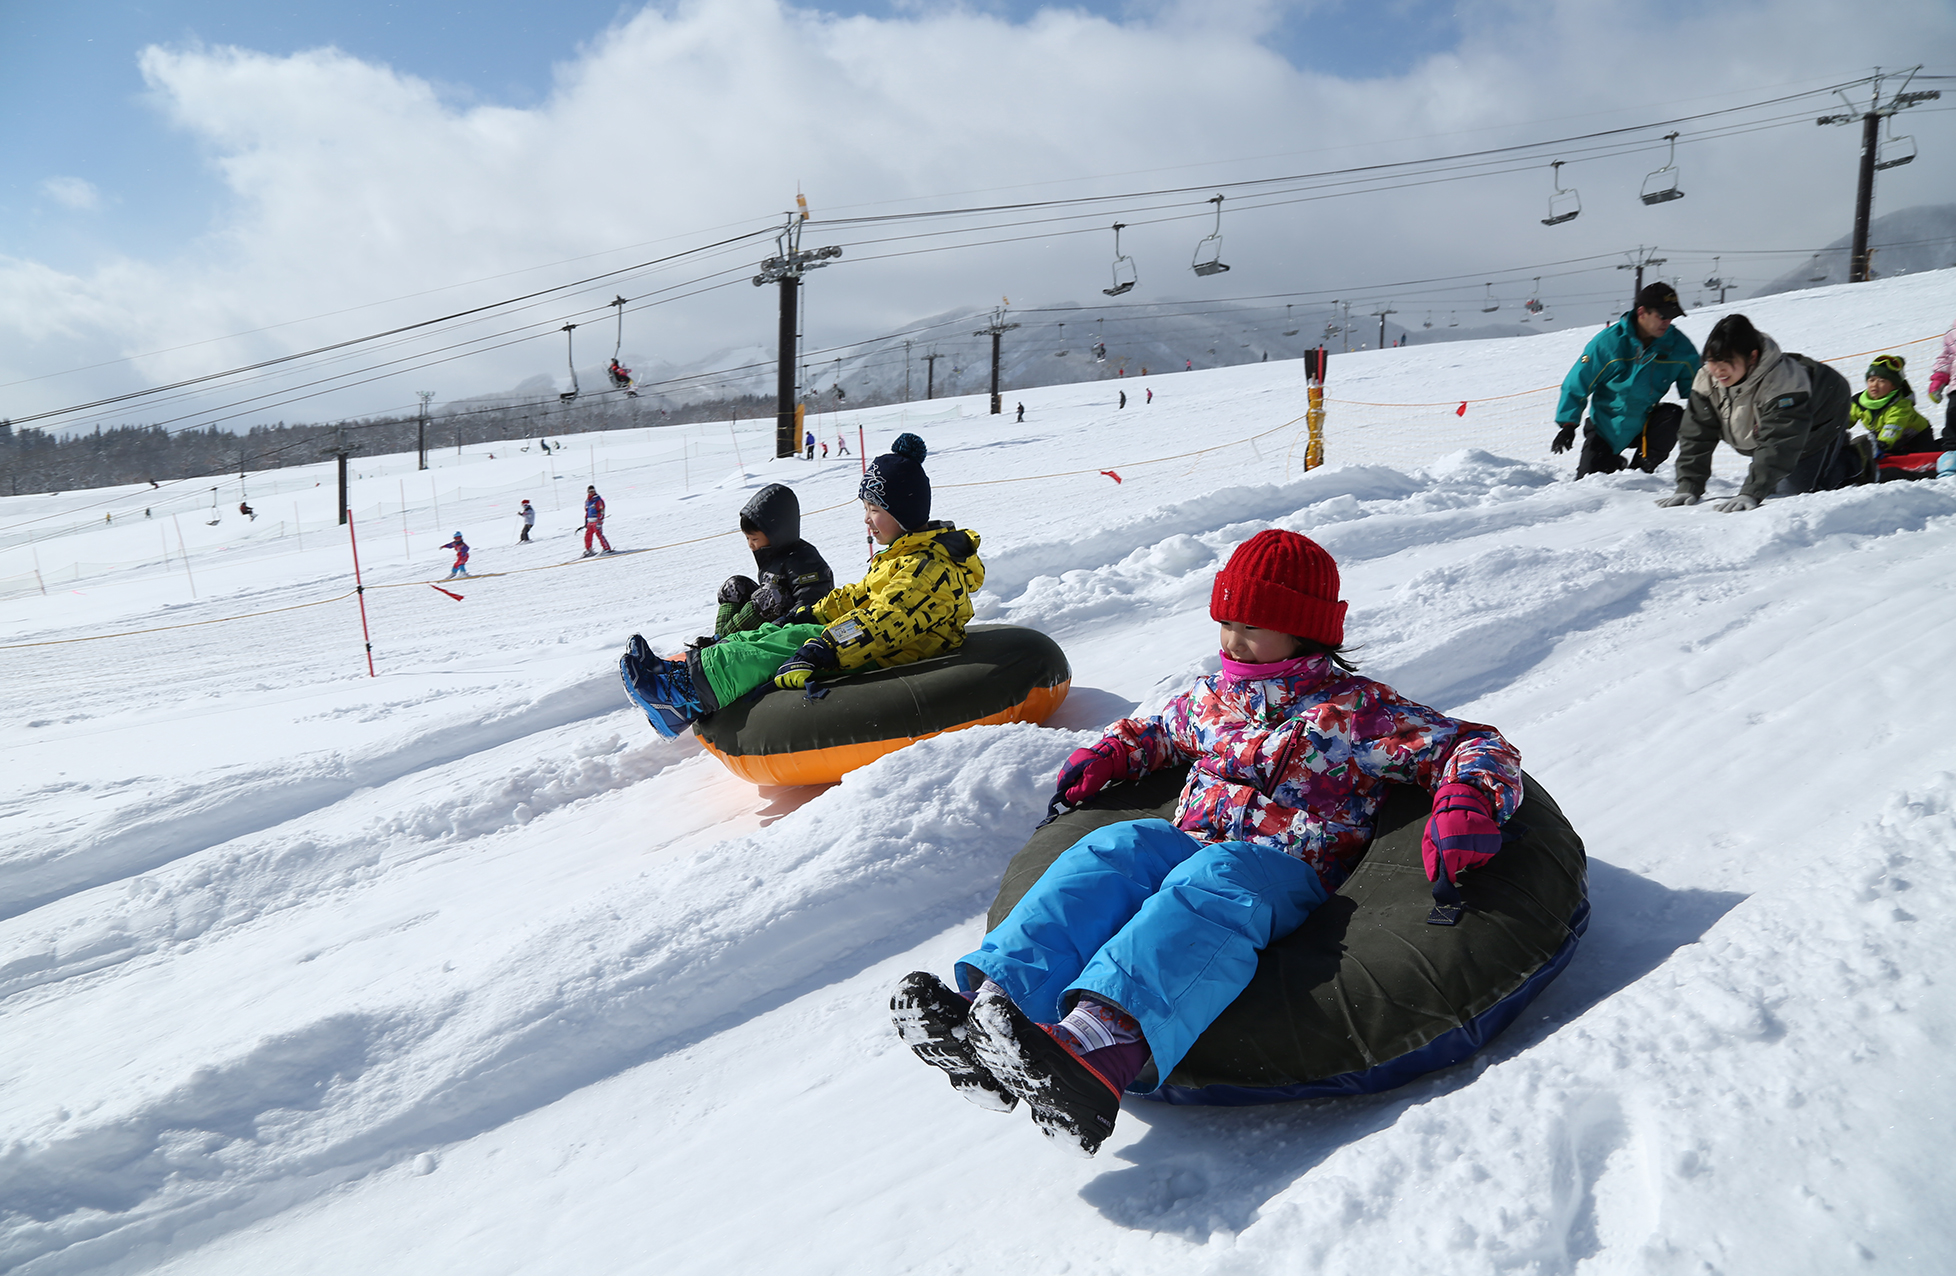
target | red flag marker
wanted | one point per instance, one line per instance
(1110, 474)
(451, 593)
(1462, 409)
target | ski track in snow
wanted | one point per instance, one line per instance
(258, 971)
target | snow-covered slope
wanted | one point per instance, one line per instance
(461, 968)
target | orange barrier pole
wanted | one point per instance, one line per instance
(360, 592)
(1314, 361)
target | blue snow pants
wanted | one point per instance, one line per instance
(1143, 916)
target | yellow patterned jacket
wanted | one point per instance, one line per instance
(913, 603)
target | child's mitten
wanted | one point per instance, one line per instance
(1937, 380)
(1088, 771)
(1461, 830)
(811, 658)
(736, 590)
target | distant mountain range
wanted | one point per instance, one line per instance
(1905, 242)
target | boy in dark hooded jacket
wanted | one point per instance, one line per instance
(790, 572)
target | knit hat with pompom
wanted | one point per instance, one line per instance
(1281, 581)
(896, 482)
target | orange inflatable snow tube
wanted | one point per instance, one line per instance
(1002, 673)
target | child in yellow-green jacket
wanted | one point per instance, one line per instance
(913, 604)
(1886, 410)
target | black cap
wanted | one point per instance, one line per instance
(1660, 299)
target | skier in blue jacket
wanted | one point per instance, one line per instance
(1624, 370)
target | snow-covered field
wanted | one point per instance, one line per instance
(462, 969)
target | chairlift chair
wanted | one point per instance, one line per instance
(1894, 151)
(1814, 265)
(1452, 322)
(1534, 303)
(570, 356)
(1061, 352)
(1493, 302)
(1124, 272)
(1288, 330)
(1208, 253)
(1429, 319)
(1661, 187)
(1099, 342)
(1564, 205)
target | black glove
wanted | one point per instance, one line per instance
(1565, 438)
(813, 656)
(767, 601)
(736, 590)
(800, 616)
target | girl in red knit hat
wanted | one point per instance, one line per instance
(1141, 933)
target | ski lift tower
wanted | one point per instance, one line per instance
(786, 267)
(995, 330)
(1877, 110)
(1639, 260)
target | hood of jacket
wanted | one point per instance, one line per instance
(775, 511)
(1738, 405)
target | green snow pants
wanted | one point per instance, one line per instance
(739, 663)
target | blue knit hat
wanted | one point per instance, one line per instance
(895, 481)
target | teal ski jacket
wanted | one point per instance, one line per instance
(1622, 377)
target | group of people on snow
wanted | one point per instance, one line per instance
(1143, 932)
(1788, 413)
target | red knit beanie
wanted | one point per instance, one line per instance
(1281, 581)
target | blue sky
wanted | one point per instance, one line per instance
(252, 197)
(77, 106)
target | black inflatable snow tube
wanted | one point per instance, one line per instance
(1002, 673)
(1366, 995)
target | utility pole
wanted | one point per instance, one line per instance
(906, 372)
(786, 268)
(421, 432)
(1857, 264)
(997, 328)
(1638, 261)
(930, 374)
(340, 450)
(1381, 315)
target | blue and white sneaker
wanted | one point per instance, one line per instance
(666, 696)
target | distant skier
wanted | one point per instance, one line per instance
(461, 548)
(1022, 412)
(808, 442)
(825, 449)
(247, 511)
(594, 521)
(1188, 365)
(1123, 398)
(1151, 395)
(841, 444)
(529, 516)
(621, 376)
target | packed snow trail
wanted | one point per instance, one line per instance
(461, 966)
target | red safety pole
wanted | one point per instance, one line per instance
(360, 592)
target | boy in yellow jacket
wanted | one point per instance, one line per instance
(913, 604)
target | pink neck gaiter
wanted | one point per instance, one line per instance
(1237, 672)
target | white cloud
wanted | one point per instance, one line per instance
(351, 183)
(72, 192)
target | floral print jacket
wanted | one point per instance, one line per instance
(1300, 763)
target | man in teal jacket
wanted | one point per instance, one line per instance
(1623, 372)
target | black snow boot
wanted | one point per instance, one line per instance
(1071, 1103)
(931, 1017)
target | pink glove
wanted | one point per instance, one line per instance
(1088, 771)
(1461, 829)
(1937, 380)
